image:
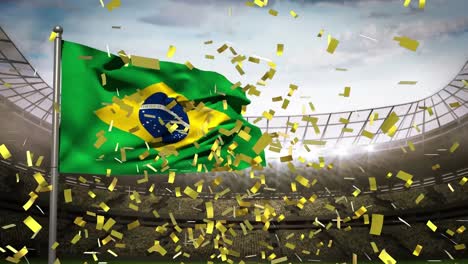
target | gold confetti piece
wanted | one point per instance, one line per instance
(450, 232)
(108, 172)
(346, 93)
(386, 258)
(85, 57)
(454, 147)
(332, 44)
(171, 51)
(254, 60)
(52, 36)
(407, 43)
(113, 4)
(463, 181)
(133, 207)
(30, 202)
(55, 245)
(279, 49)
(79, 221)
(117, 234)
(431, 226)
(360, 211)
(29, 158)
(133, 225)
(422, 4)
(315, 142)
(104, 206)
(417, 250)
(374, 247)
(465, 83)
(460, 247)
(209, 210)
(356, 192)
(455, 105)
(144, 62)
(261, 3)
(419, 198)
(222, 48)
(225, 105)
(273, 12)
(367, 134)
(209, 57)
(285, 104)
(190, 192)
(262, 143)
(39, 161)
(4, 152)
(256, 187)
(244, 135)
(158, 248)
(391, 120)
(18, 255)
(279, 260)
(406, 3)
(408, 183)
(407, 82)
(461, 229)
(344, 121)
(100, 141)
(75, 239)
(377, 224)
(32, 224)
(286, 158)
(91, 194)
(208, 42)
(293, 14)
(239, 69)
(373, 183)
(189, 65)
(112, 185)
(250, 4)
(109, 224)
(171, 177)
(404, 176)
(68, 195)
(103, 79)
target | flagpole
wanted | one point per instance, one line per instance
(55, 143)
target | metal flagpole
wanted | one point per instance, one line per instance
(55, 143)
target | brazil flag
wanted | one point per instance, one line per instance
(123, 115)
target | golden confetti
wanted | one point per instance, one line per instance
(171, 51)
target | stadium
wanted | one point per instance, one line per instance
(363, 196)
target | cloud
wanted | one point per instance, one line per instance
(434, 28)
(180, 13)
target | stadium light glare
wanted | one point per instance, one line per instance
(341, 151)
(370, 148)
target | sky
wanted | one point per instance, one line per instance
(365, 30)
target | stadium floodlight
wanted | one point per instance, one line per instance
(370, 148)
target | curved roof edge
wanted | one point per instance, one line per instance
(29, 95)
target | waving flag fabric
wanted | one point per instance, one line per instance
(122, 115)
